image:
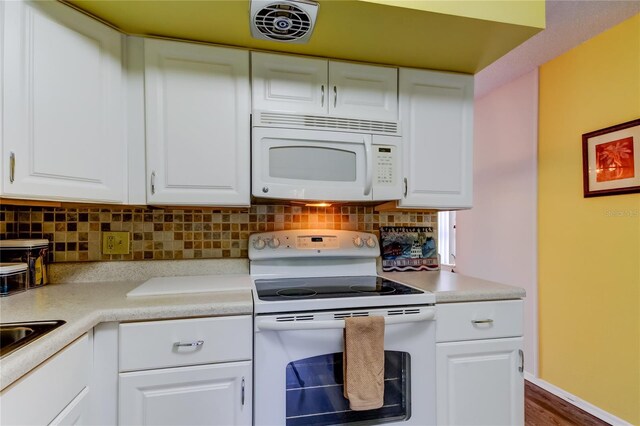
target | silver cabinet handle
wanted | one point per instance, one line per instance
(189, 344)
(521, 353)
(153, 183)
(322, 95)
(406, 186)
(335, 96)
(484, 321)
(12, 167)
(242, 393)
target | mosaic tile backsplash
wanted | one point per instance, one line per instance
(75, 233)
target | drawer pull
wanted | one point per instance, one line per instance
(188, 344)
(484, 321)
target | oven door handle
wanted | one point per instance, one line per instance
(273, 325)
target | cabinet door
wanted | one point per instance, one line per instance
(197, 119)
(290, 84)
(479, 382)
(63, 106)
(363, 91)
(75, 413)
(436, 111)
(214, 394)
(41, 395)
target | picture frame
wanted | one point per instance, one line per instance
(611, 160)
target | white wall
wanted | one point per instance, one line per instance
(497, 239)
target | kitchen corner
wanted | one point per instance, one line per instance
(83, 304)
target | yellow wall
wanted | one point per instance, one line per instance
(521, 12)
(589, 249)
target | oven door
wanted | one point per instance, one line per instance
(298, 369)
(311, 165)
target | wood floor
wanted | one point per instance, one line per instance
(542, 408)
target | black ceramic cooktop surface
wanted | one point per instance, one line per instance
(329, 287)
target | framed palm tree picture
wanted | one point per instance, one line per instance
(611, 160)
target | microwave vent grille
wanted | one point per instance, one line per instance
(328, 123)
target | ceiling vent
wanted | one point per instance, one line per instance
(289, 21)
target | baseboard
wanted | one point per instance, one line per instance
(580, 403)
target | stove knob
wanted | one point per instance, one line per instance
(358, 242)
(371, 243)
(274, 243)
(259, 243)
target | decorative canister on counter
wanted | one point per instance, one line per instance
(13, 278)
(35, 253)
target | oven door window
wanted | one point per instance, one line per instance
(312, 163)
(315, 392)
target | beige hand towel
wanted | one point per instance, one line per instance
(363, 362)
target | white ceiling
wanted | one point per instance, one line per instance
(569, 23)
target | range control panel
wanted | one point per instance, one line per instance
(312, 242)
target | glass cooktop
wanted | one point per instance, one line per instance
(329, 287)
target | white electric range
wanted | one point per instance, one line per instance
(305, 283)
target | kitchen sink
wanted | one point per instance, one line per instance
(17, 334)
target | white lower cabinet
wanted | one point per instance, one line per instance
(479, 383)
(54, 392)
(186, 372)
(216, 394)
(479, 362)
(76, 413)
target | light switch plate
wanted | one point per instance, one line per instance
(115, 243)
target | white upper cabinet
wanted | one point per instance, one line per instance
(284, 83)
(290, 84)
(363, 91)
(62, 110)
(197, 121)
(436, 112)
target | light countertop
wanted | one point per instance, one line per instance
(453, 287)
(84, 305)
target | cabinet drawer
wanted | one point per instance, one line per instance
(479, 320)
(155, 344)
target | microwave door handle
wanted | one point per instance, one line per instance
(273, 325)
(368, 171)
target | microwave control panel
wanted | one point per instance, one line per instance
(384, 159)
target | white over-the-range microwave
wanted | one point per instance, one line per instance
(315, 158)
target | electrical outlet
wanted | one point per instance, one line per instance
(115, 243)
